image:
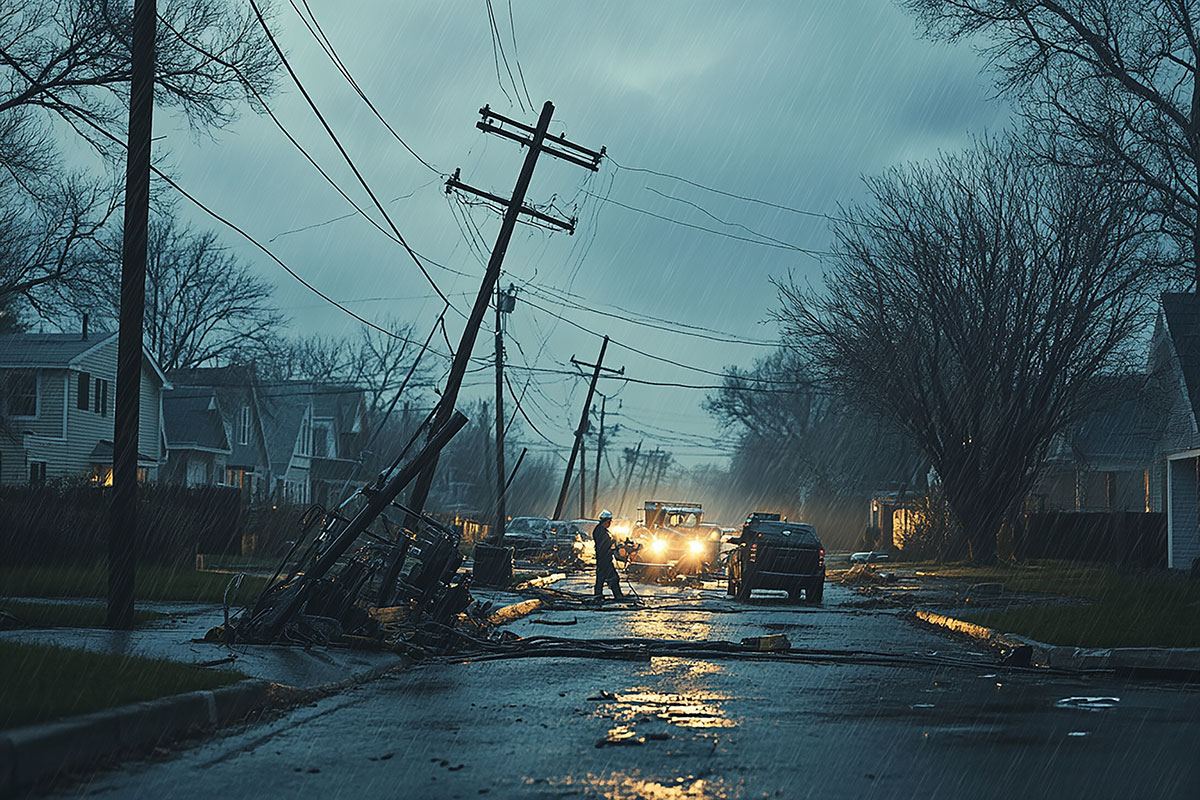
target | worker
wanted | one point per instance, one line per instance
(606, 571)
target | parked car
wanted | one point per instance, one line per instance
(773, 554)
(528, 536)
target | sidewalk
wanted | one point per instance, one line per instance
(938, 601)
(275, 675)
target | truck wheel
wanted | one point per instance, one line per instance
(816, 592)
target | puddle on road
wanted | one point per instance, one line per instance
(684, 711)
(632, 785)
(1088, 703)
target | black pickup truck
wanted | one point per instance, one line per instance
(773, 554)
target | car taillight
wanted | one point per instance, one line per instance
(821, 558)
(753, 551)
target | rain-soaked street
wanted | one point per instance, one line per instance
(931, 717)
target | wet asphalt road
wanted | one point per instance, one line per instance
(674, 728)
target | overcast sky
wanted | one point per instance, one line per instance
(791, 102)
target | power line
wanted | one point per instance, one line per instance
(673, 221)
(229, 223)
(327, 46)
(262, 101)
(640, 352)
(746, 198)
(697, 332)
(349, 161)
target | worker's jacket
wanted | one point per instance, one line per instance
(604, 542)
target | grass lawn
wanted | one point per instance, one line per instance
(1142, 609)
(66, 615)
(182, 583)
(42, 682)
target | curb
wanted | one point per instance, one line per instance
(33, 752)
(1152, 661)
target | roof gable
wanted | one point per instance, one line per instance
(1181, 320)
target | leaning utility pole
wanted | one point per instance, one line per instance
(599, 455)
(505, 302)
(122, 534)
(582, 479)
(583, 421)
(538, 140)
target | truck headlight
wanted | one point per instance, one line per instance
(695, 547)
(657, 546)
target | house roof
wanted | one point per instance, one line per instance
(1122, 428)
(61, 350)
(193, 421)
(233, 387)
(282, 415)
(1181, 316)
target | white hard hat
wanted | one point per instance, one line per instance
(606, 514)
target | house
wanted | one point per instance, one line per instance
(339, 433)
(1105, 461)
(56, 409)
(197, 444)
(1174, 482)
(287, 416)
(232, 394)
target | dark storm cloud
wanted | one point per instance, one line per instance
(789, 101)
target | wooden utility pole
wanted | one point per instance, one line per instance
(582, 479)
(122, 534)
(583, 421)
(629, 475)
(599, 455)
(537, 140)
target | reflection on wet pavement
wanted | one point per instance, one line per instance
(632, 786)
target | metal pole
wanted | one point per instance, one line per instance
(582, 479)
(122, 535)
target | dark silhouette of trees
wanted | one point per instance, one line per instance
(68, 61)
(973, 304)
(1103, 80)
(204, 307)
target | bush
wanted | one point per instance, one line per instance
(69, 523)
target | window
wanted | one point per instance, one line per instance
(100, 398)
(37, 473)
(320, 447)
(305, 437)
(22, 391)
(244, 426)
(83, 393)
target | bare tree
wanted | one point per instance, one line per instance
(72, 59)
(373, 361)
(973, 305)
(203, 305)
(1105, 80)
(69, 61)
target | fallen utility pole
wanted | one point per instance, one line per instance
(535, 139)
(583, 421)
(266, 625)
(122, 534)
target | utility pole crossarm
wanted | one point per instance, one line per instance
(582, 364)
(455, 183)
